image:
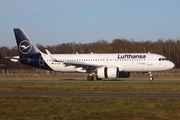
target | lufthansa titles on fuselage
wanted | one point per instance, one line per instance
(131, 56)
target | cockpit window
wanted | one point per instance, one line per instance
(162, 59)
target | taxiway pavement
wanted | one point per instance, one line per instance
(89, 94)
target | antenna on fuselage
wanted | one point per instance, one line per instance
(149, 52)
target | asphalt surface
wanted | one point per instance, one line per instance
(89, 94)
(71, 80)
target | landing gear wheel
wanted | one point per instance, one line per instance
(151, 78)
(90, 78)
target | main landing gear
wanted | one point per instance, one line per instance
(91, 77)
(151, 78)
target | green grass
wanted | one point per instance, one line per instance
(80, 108)
(68, 108)
(155, 87)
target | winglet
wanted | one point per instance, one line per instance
(50, 55)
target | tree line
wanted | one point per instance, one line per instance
(168, 48)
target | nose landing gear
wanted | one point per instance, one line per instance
(151, 78)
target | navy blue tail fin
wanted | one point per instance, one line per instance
(24, 44)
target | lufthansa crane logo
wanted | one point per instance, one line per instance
(25, 47)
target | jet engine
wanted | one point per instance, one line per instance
(111, 72)
(108, 72)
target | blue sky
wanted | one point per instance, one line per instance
(52, 22)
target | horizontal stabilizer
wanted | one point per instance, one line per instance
(14, 58)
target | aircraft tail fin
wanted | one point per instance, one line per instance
(24, 44)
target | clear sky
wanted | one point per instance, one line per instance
(52, 22)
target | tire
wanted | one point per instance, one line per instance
(151, 78)
(90, 78)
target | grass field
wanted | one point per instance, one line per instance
(153, 87)
(68, 108)
(80, 108)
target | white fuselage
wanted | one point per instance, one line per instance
(127, 62)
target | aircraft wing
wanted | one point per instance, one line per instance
(85, 66)
(82, 64)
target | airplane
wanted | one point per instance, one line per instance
(111, 65)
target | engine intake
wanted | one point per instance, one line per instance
(111, 72)
(108, 72)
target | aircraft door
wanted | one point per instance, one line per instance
(41, 61)
(150, 60)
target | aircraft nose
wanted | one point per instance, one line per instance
(171, 65)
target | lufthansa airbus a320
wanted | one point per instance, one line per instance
(116, 65)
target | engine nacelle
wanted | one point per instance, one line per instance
(108, 72)
(124, 74)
